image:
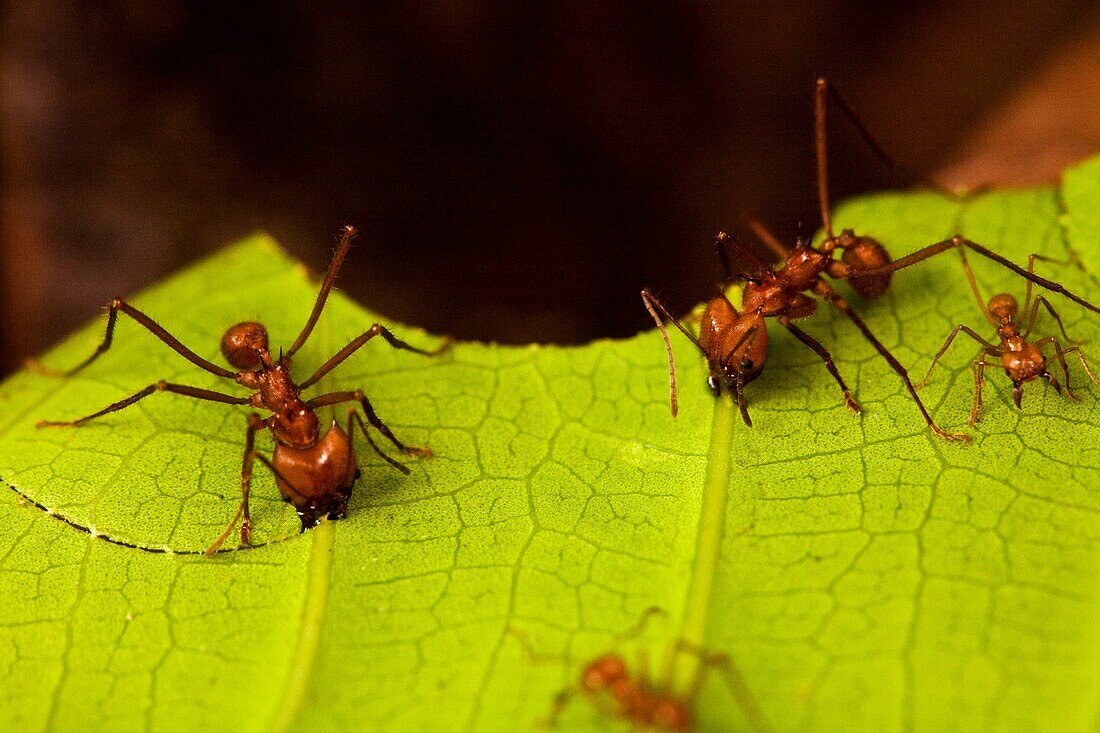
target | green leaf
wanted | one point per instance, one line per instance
(862, 574)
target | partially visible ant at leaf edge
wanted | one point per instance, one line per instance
(635, 695)
(1021, 359)
(314, 472)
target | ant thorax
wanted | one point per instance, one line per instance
(1024, 363)
(802, 268)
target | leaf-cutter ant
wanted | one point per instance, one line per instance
(635, 695)
(1022, 360)
(314, 472)
(735, 343)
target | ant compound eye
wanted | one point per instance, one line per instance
(242, 343)
(715, 385)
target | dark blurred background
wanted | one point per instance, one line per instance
(519, 171)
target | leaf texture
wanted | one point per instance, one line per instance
(861, 574)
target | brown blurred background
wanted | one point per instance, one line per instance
(519, 171)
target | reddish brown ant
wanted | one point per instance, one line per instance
(735, 343)
(615, 690)
(1022, 360)
(314, 472)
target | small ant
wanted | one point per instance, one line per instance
(1022, 360)
(613, 689)
(314, 472)
(735, 343)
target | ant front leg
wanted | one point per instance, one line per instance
(195, 392)
(358, 342)
(335, 398)
(826, 357)
(113, 308)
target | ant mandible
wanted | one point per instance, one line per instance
(314, 472)
(735, 343)
(1021, 359)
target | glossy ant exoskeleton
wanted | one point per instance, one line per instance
(314, 472)
(735, 342)
(1021, 359)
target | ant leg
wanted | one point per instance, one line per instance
(739, 390)
(640, 625)
(735, 681)
(977, 291)
(326, 287)
(113, 308)
(826, 357)
(255, 422)
(1060, 353)
(979, 379)
(1050, 309)
(650, 301)
(765, 235)
(562, 699)
(748, 338)
(561, 702)
(1084, 363)
(199, 394)
(353, 417)
(822, 288)
(934, 249)
(825, 88)
(947, 344)
(358, 342)
(335, 398)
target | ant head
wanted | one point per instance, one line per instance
(861, 254)
(243, 343)
(1003, 306)
(603, 672)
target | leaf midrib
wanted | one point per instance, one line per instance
(708, 548)
(289, 702)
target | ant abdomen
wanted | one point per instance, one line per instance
(242, 344)
(865, 253)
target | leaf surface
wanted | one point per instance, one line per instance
(862, 574)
